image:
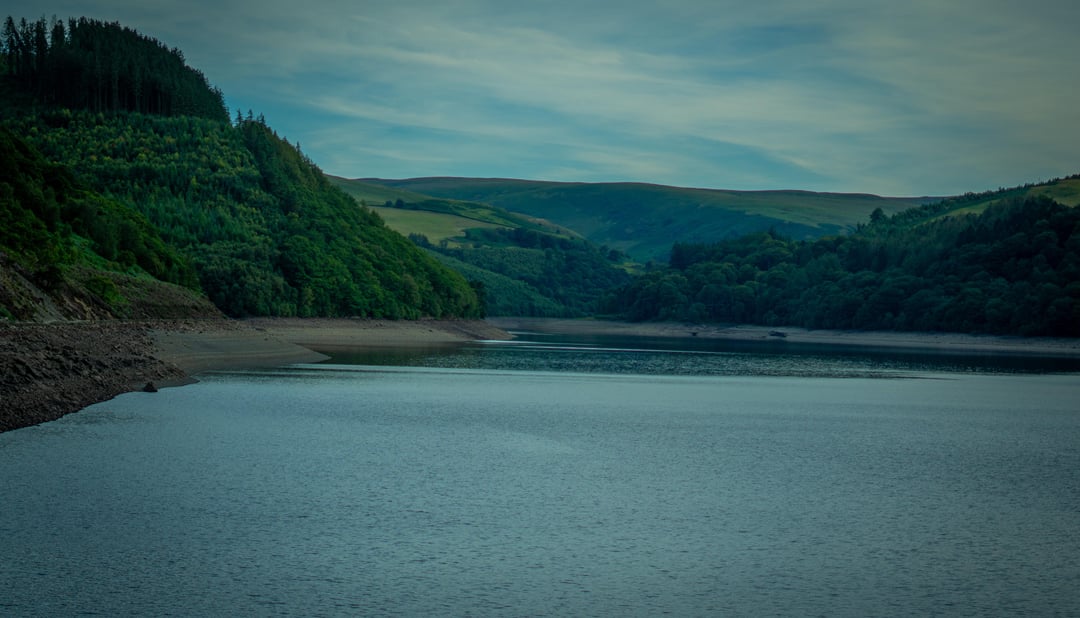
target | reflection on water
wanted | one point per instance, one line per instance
(683, 356)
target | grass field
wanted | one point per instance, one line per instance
(436, 226)
(437, 218)
(373, 194)
(1065, 191)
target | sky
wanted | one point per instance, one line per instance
(912, 98)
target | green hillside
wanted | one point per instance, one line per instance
(644, 220)
(487, 215)
(254, 219)
(1006, 263)
(1065, 191)
(67, 252)
(526, 266)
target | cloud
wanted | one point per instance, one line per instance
(843, 95)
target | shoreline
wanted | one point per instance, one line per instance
(53, 369)
(49, 370)
(884, 340)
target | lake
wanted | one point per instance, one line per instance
(556, 476)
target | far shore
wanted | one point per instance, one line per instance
(49, 370)
(943, 342)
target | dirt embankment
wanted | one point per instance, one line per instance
(49, 370)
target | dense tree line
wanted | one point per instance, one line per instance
(553, 276)
(103, 67)
(266, 232)
(46, 211)
(1014, 268)
(505, 295)
(71, 240)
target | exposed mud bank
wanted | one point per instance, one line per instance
(49, 370)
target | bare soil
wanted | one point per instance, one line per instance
(49, 370)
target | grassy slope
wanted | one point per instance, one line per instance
(487, 258)
(1065, 191)
(372, 194)
(644, 220)
(437, 218)
(435, 226)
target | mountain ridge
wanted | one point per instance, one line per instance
(645, 219)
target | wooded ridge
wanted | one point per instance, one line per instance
(227, 208)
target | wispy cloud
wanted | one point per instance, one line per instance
(905, 98)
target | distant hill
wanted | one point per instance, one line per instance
(644, 220)
(1065, 191)
(1003, 262)
(525, 266)
(393, 203)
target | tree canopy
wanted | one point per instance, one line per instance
(104, 67)
(1013, 268)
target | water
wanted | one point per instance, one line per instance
(564, 478)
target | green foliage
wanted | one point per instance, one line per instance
(570, 274)
(505, 295)
(45, 208)
(72, 243)
(265, 231)
(643, 220)
(31, 196)
(527, 267)
(1014, 268)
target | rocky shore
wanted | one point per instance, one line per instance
(49, 370)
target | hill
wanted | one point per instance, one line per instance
(525, 266)
(644, 220)
(393, 203)
(1003, 263)
(259, 227)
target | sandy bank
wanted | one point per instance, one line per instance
(946, 342)
(331, 332)
(272, 342)
(49, 370)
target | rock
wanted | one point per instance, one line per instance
(149, 388)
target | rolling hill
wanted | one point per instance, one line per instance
(525, 265)
(644, 220)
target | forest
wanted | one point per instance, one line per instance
(531, 273)
(250, 215)
(103, 67)
(1012, 268)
